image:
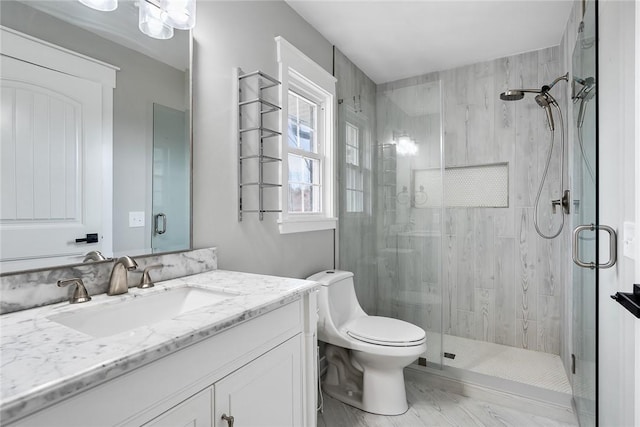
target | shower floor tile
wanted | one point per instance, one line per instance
(530, 367)
(433, 407)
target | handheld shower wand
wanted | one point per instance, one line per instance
(545, 100)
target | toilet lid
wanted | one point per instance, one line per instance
(385, 331)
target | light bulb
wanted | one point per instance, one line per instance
(150, 22)
(180, 14)
(101, 5)
(406, 146)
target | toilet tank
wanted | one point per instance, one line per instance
(339, 291)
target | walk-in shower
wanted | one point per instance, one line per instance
(545, 100)
(443, 235)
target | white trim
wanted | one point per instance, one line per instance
(30, 49)
(300, 225)
(304, 65)
(298, 71)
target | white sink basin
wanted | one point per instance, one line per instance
(113, 318)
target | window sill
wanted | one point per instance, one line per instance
(303, 225)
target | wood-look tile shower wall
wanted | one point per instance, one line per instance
(505, 283)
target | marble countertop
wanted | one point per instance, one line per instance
(43, 362)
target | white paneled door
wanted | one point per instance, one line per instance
(51, 163)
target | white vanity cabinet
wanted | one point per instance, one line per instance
(261, 371)
(262, 393)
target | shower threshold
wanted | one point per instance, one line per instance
(530, 367)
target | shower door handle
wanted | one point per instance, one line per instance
(160, 218)
(613, 241)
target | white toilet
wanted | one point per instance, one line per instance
(366, 354)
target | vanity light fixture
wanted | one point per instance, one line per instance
(101, 5)
(157, 18)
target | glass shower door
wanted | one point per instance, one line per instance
(584, 214)
(171, 175)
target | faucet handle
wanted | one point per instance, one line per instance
(145, 280)
(79, 293)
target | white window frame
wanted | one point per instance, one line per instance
(300, 74)
(364, 162)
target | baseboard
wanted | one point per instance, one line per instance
(522, 397)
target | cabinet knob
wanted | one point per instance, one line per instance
(229, 419)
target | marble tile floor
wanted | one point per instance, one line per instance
(433, 407)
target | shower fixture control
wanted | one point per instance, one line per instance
(565, 202)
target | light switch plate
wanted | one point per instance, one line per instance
(629, 239)
(136, 219)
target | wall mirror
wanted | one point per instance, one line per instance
(48, 181)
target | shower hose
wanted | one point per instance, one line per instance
(544, 177)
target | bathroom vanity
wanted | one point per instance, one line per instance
(240, 348)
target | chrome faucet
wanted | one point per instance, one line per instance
(118, 283)
(79, 293)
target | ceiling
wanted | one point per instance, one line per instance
(391, 40)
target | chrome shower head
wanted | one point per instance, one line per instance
(542, 100)
(512, 95)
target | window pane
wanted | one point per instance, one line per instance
(352, 145)
(352, 135)
(306, 141)
(301, 123)
(304, 170)
(306, 112)
(355, 180)
(352, 156)
(355, 201)
(304, 198)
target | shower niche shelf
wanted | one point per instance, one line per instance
(258, 148)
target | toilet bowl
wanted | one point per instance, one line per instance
(366, 354)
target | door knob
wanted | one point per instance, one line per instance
(89, 238)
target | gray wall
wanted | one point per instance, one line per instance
(140, 82)
(241, 34)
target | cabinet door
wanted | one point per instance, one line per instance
(266, 392)
(194, 412)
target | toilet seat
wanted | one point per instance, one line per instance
(385, 331)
